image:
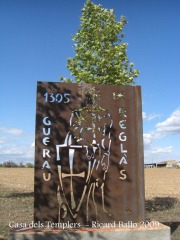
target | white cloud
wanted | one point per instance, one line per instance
(16, 152)
(150, 117)
(168, 149)
(11, 150)
(151, 136)
(12, 131)
(2, 140)
(148, 138)
(159, 154)
(15, 146)
(171, 124)
(144, 115)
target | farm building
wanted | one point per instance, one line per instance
(167, 164)
(150, 165)
(178, 164)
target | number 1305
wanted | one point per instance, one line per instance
(57, 97)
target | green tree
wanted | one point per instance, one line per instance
(100, 54)
(29, 165)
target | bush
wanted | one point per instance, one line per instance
(9, 164)
(29, 165)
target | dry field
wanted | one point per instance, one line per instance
(16, 197)
(161, 189)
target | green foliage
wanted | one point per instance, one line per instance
(29, 165)
(100, 54)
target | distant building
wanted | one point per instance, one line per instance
(150, 165)
(167, 164)
(178, 164)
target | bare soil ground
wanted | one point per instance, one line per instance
(162, 182)
(162, 193)
(16, 197)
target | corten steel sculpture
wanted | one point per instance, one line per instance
(89, 154)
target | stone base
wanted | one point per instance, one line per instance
(149, 232)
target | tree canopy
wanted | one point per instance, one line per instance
(100, 55)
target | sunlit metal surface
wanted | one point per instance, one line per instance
(89, 154)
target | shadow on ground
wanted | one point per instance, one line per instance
(160, 204)
(172, 225)
(19, 195)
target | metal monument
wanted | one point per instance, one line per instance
(88, 154)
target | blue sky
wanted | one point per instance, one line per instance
(36, 40)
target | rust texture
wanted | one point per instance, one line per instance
(88, 154)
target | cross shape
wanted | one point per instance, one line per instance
(71, 175)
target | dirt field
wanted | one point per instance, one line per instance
(162, 193)
(162, 183)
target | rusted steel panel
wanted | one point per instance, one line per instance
(89, 154)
